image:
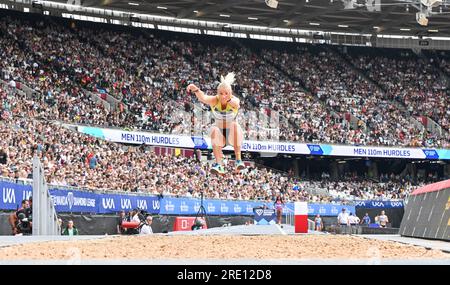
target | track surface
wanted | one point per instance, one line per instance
(228, 245)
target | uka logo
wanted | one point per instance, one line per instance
(9, 197)
(141, 204)
(125, 203)
(70, 199)
(108, 203)
(156, 205)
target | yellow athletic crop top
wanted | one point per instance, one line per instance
(227, 114)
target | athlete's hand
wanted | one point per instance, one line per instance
(192, 88)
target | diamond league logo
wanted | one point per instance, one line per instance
(70, 200)
(259, 212)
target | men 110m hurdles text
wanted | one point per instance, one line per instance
(229, 274)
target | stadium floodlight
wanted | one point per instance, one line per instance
(422, 19)
(272, 3)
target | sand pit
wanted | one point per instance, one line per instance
(220, 247)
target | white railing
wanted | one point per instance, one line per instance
(45, 219)
(290, 219)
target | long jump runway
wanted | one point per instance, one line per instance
(240, 245)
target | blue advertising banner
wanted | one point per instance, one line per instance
(12, 195)
(190, 206)
(264, 216)
(379, 204)
(81, 201)
(74, 201)
(325, 209)
(112, 203)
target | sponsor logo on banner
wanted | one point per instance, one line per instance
(199, 142)
(27, 194)
(108, 203)
(184, 207)
(196, 207)
(396, 204)
(70, 200)
(169, 206)
(268, 212)
(224, 208)
(125, 203)
(334, 210)
(430, 153)
(310, 210)
(315, 149)
(322, 210)
(156, 205)
(141, 204)
(236, 208)
(259, 212)
(377, 204)
(9, 196)
(211, 207)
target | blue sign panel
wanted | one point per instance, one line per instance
(379, 204)
(264, 216)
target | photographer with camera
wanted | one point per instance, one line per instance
(135, 217)
(21, 220)
(120, 219)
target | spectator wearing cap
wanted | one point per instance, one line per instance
(343, 221)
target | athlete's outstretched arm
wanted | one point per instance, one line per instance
(209, 100)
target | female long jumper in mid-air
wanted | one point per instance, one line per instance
(224, 107)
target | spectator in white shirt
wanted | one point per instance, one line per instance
(146, 229)
(135, 216)
(343, 221)
(343, 218)
(353, 221)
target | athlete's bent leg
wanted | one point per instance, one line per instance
(236, 138)
(218, 142)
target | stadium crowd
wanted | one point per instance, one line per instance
(72, 159)
(413, 81)
(344, 90)
(146, 74)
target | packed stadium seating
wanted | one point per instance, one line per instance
(315, 92)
